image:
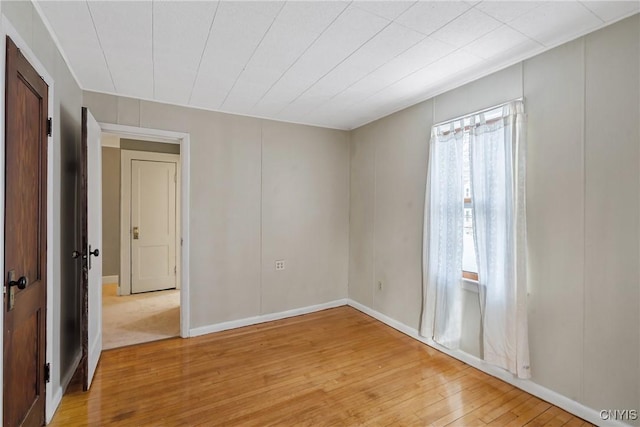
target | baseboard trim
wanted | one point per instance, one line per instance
(589, 414)
(108, 280)
(64, 383)
(55, 403)
(248, 321)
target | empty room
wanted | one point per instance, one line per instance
(385, 213)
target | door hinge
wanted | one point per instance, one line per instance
(175, 270)
(49, 126)
(47, 372)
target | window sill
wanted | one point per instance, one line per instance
(470, 285)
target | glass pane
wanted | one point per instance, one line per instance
(466, 167)
(468, 248)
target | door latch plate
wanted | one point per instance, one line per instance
(12, 291)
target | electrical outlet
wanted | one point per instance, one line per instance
(279, 264)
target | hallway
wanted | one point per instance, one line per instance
(135, 319)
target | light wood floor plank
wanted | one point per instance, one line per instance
(337, 367)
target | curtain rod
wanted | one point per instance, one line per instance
(467, 127)
(484, 110)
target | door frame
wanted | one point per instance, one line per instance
(183, 139)
(7, 29)
(124, 284)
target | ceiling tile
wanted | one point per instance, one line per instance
(333, 63)
(69, 20)
(468, 27)
(243, 98)
(612, 10)
(312, 16)
(500, 41)
(556, 22)
(295, 29)
(125, 36)
(422, 54)
(429, 16)
(346, 34)
(355, 93)
(179, 34)
(385, 8)
(229, 49)
(506, 11)
(213, 82)
(427, 78)
(386, 45)
(413, 59)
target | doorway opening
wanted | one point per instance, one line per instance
(143, 292)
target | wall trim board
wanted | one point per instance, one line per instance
(248, 321)
(589, 414)
(109, 141)
(66, 379)
(55, 404)
(7, 29)
(107, 280)
(64, 384)
(195, 107)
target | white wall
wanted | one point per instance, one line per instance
(554, 87)
(612, 204)
(260, 191)
(387, 206)
(583, 206)
(305, 215)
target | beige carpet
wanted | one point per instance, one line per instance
(134, 319)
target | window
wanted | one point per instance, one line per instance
(469, 262)
(475, 230)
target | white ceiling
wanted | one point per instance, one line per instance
(337, 64)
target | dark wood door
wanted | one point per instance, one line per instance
(25, 242)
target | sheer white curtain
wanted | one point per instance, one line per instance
(498, 153)
(442, 245)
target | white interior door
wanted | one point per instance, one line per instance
(153, 225)
(94, 243)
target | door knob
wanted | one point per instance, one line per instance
(21, 283)
(94, 252)
(136, 232)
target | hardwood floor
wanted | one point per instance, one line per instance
(334, 367)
